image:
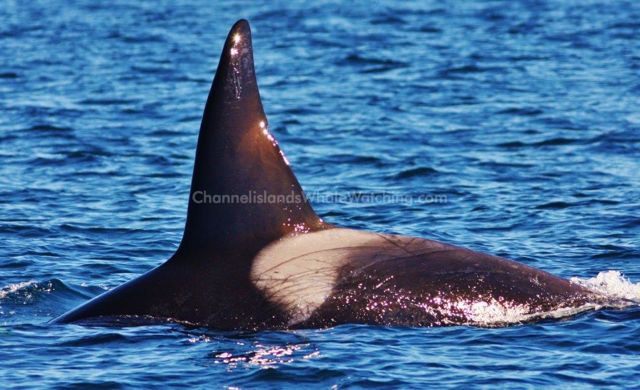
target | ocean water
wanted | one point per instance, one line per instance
(523, 116)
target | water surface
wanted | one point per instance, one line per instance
(523, 114)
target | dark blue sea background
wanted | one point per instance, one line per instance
(524, 115)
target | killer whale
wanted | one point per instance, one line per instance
(276, 264)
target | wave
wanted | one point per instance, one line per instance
(416, 172)
(15, 287)
(29, 291)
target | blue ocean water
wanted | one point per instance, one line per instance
(523, 114)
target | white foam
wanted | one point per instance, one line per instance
(498, 313)
(611, 284)
(10, 289)
(493, 312)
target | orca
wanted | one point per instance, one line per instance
(254, 254)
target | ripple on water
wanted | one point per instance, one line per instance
(524, 114)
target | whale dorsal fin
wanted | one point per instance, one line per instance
(243, 192)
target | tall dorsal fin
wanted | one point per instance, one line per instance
(243, 192)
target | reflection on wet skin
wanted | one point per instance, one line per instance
(236, 40)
